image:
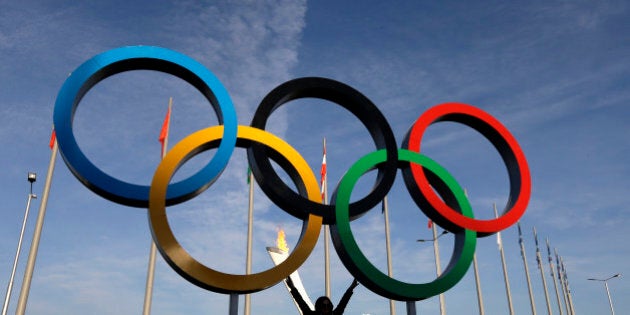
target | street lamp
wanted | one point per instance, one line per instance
(32, 177)
(605, 281)
(432, 239)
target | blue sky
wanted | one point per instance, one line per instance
(555, 73)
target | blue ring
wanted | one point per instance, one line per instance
(130, 58)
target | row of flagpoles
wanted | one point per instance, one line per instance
(558, 273)
(30, 264)
(564, 301)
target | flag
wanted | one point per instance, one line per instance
(249, 174)
(53, 138)
(499, 242)
(549, 252)
(165, 126)
(430, 224)
(520, 239)
(564, 272)
(558, 265)
(537, 248)
(496, 215)
(323, 173)
(550, 260)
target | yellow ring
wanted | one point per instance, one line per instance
(191, 269)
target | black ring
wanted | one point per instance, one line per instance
(358, 105)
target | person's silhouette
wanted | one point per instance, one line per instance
(323, 305)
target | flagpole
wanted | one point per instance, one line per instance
(553, 277)
(250, 232)
(326, 227)
(505, 273)
(478, 285)
(542, 272)
(438, 267)
(390, 273)
(529, 282)
(148, 291)
(477, 281)
(566, 280)
(566, 287)
(561, 280)
(31, 195)
(37, 233)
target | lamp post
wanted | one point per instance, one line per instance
(605, 281)
(438, 268)
(32, 177)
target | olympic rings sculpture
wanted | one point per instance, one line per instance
(431, 187)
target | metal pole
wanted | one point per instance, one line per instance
(570, 299)
(612, 310)
(148, 291)
(605, 281)
(561, 280)
(233, 304)
(505, 274)
(411, 308)
(390, 273)
(32, 255)
(566, 283)
(553, 278)
(478, 285)
(17, 254)
(327, 259)
(326, 232)
(438, 268)
(477, 282)
(250, 232)
(529, 283)
(542, 273)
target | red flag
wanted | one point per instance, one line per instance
(323, 172)
(53, 138)
(165, 125)
(430, 224)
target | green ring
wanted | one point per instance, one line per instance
(362, 269)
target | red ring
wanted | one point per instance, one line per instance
(501, 138)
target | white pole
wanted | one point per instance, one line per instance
(542, 273)
(438, 268)
(148, 291)
(478, 285)
(477, 281)
(561, 280)
(612, 310)
(529, 282)
(390, 272)
(17, 253)
(505, 273)
(553, 277)
(326, 231)
(566, 283)
(250, 232)
(32, 255)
